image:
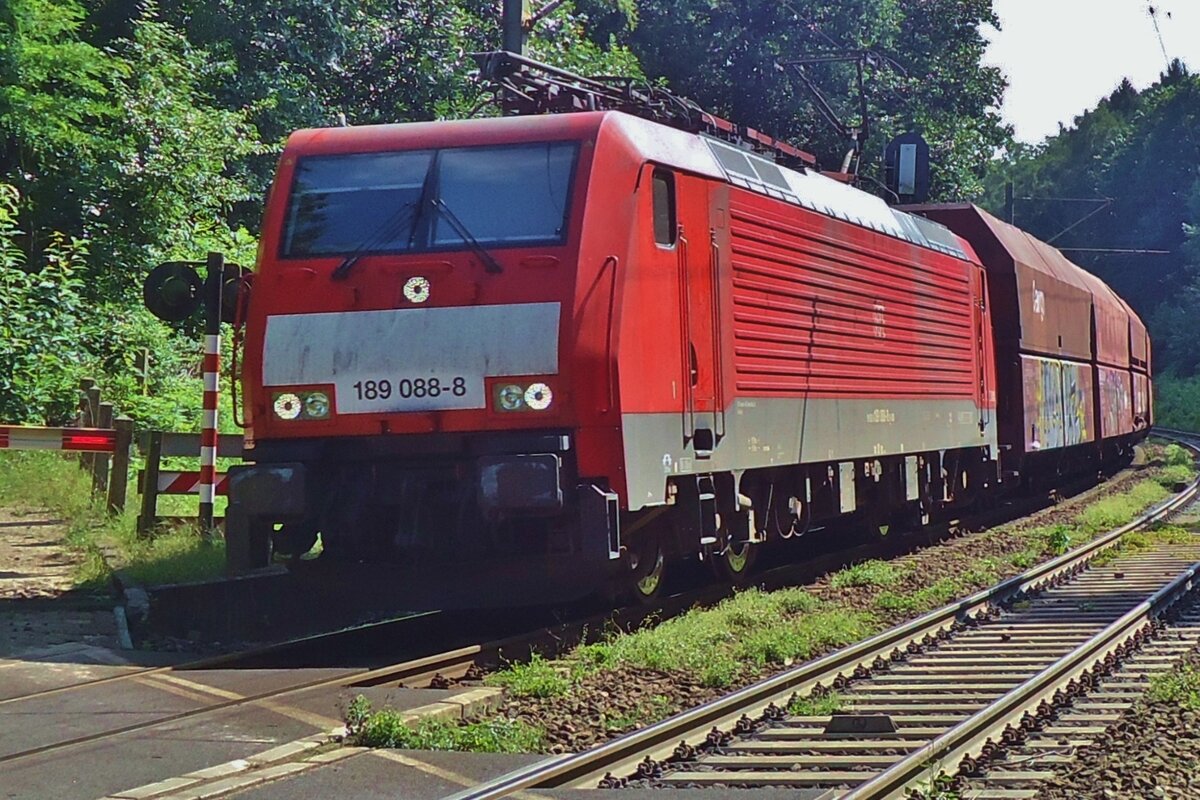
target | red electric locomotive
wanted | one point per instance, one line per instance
(599, 340)
(591, 343)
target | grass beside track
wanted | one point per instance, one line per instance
(1180, 686)
(389, 728)
(756, 633)
(54, 483)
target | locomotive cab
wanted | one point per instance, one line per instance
(408, 393)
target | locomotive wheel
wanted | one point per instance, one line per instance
(642, 582)
(293, 540)
(734, 562)
(788, 517)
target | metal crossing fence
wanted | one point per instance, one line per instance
(153, 481)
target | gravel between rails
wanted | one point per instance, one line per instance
(1153, 751)
(614, 701)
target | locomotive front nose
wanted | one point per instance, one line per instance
(489, 359)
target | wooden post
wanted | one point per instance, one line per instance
(93, 401)
(118, 483)
(141, 368)
(104, 419)
(149, 515)
(85, 416)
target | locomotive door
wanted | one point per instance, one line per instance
(698, 255)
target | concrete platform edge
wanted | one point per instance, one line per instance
(296, 756)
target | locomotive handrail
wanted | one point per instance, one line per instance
(685, 304)
(611, 368)
(718, 343)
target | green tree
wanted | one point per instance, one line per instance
(111, 159)
(54, 96)
(1141, 150)
(177, 160)
(119, 146)
(726, 56)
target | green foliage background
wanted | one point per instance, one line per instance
(1141, 151)
(136, 131)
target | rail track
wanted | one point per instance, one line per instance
(982, 688)
(430, 655)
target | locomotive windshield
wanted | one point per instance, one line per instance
(386, 202)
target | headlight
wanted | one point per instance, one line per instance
(511, 397)
(316, 405)
(301, 405)
(288, 405)
(538, 396)
(416, 289)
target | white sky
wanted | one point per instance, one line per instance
(1062, 56)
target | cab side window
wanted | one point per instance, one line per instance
(664, 208)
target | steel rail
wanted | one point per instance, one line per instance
(783, 575)
(221, 660)
(459, 659)
(451, 663)
(690, 726)
(973, 732)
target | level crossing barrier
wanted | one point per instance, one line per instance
(104, 444)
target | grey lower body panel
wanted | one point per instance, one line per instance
(774, 432)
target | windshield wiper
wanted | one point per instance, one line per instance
(390, 227)
(489, 261)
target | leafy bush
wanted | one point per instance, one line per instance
(802, 636)
(50, 337)
(814, 705)
(1172, 476)
(1113, 512)
(41, 338)
(1177, 400)
(924, 599)
(1181, 686)
(1177, 456)
(752, 628)
(1059, 539)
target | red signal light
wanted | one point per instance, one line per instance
(87, 441)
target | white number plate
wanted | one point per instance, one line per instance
(384, 393)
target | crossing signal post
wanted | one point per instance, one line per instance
(213, 285)
(173, 292)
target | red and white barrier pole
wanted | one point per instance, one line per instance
(212, 370)
(79, 440)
